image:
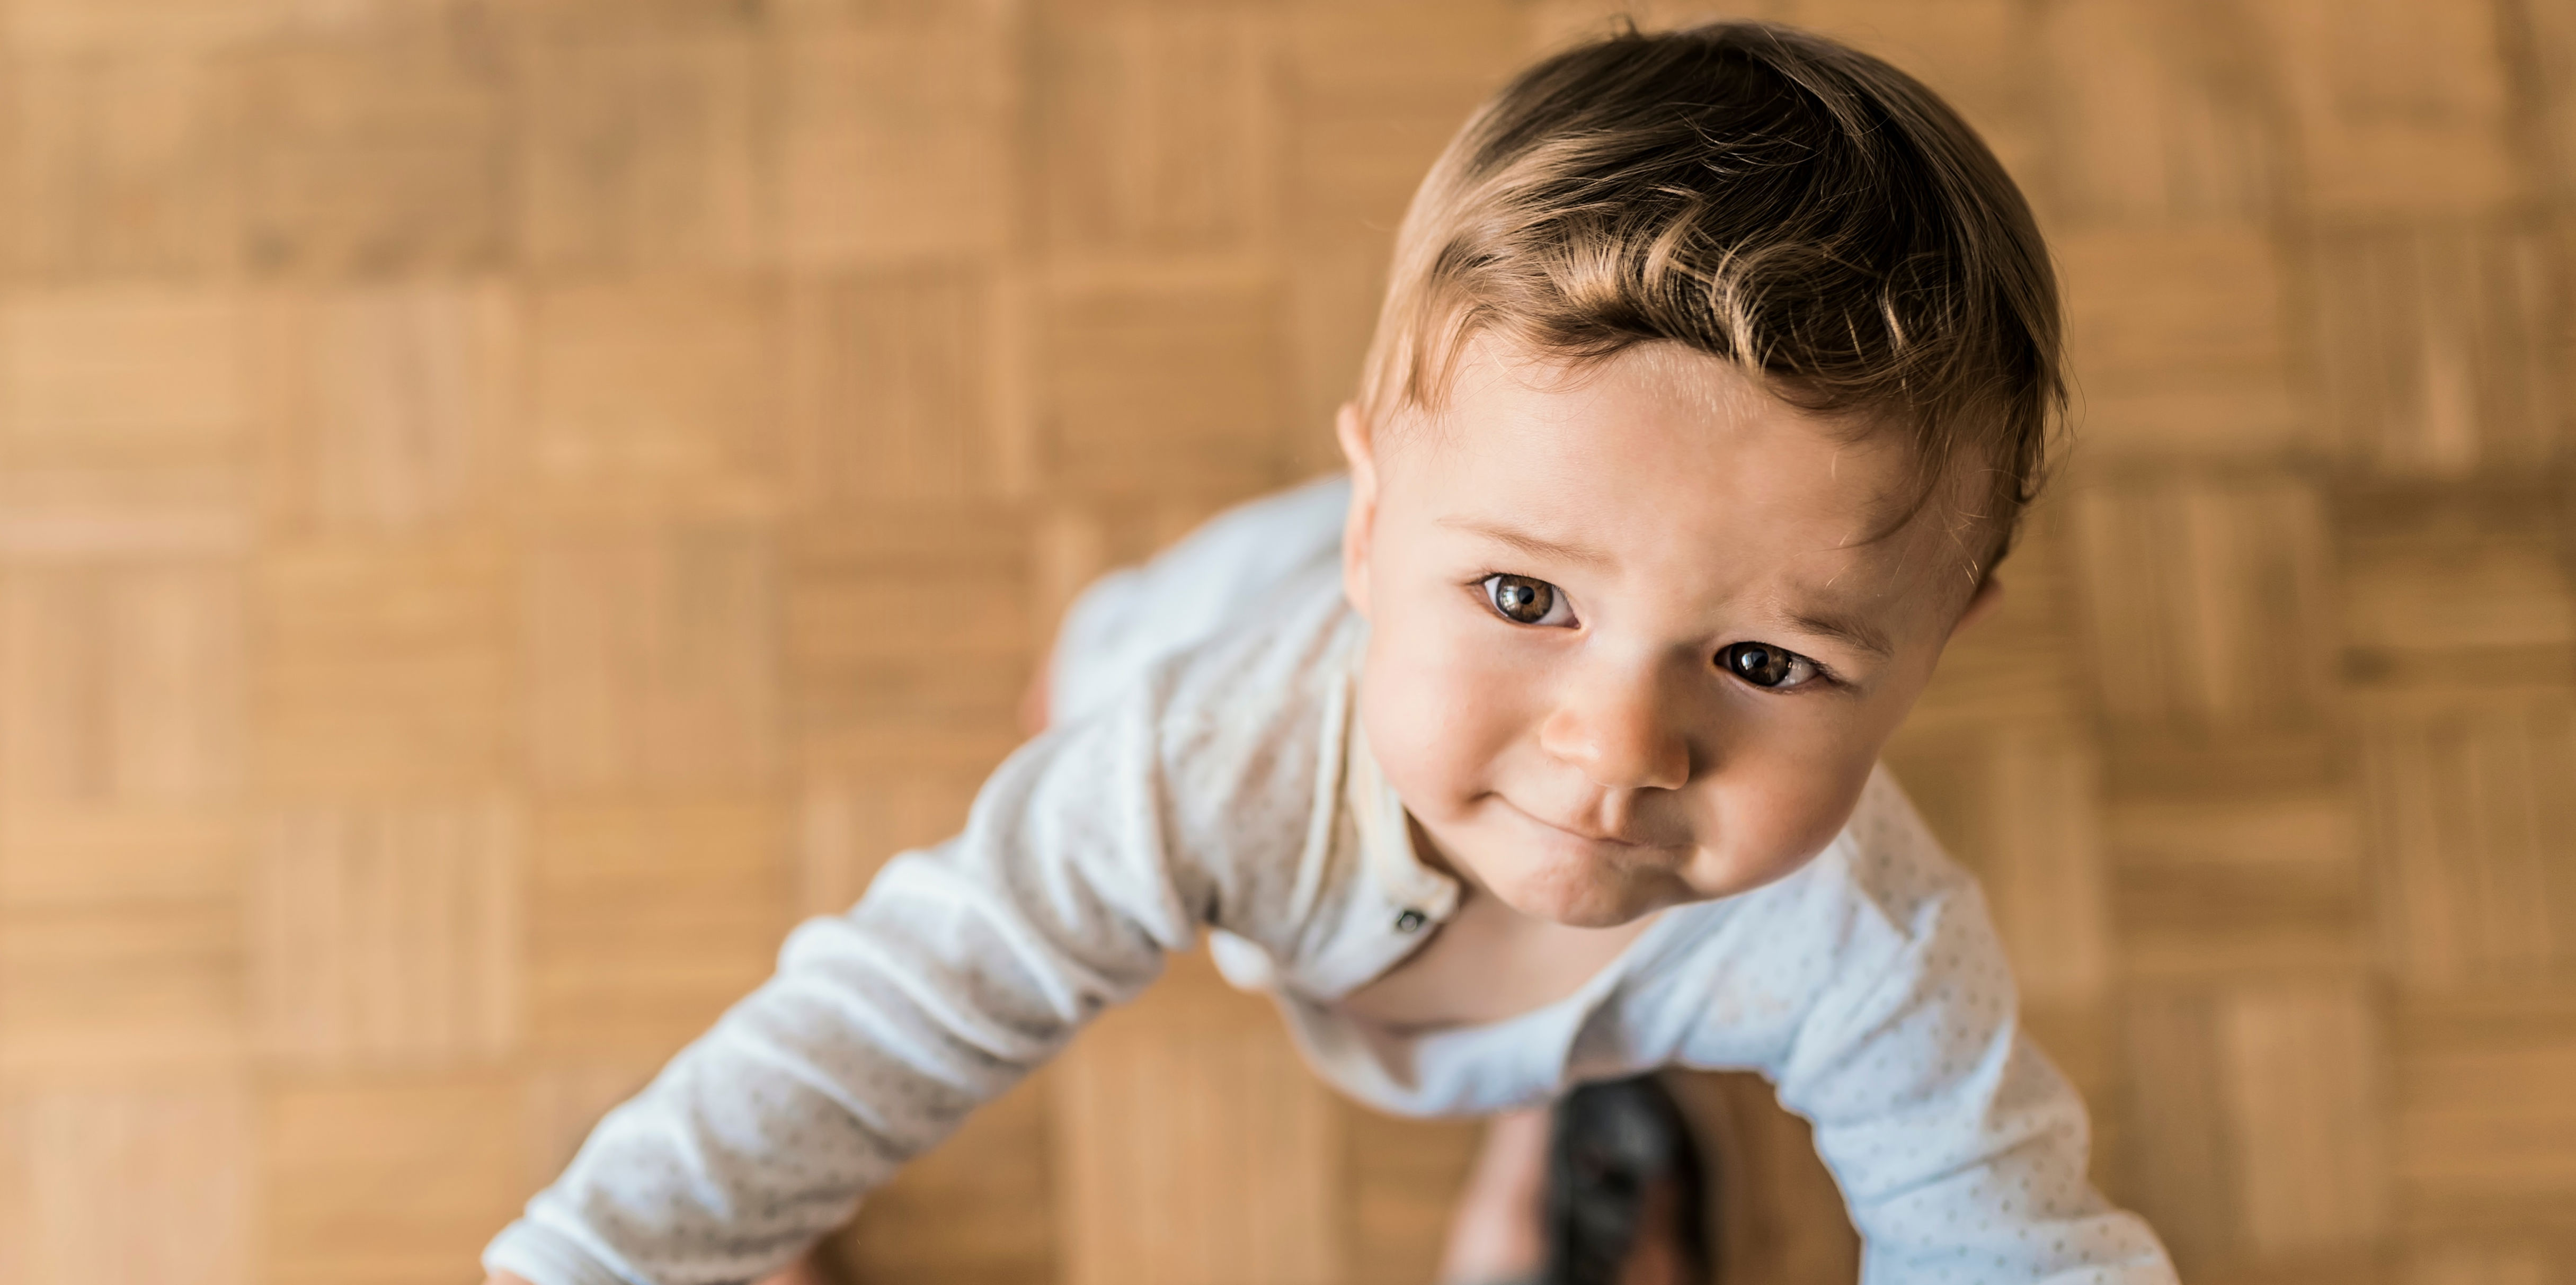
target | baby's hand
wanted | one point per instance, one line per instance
(803, 1273)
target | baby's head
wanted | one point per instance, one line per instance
(1715, 368)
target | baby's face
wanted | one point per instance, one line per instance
(1632, 643)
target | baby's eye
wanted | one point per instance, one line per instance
(1764, 665)
(1524, 601)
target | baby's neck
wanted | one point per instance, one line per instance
(1489, 962)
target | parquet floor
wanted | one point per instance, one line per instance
(504, 506)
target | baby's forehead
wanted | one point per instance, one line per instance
(1728, 467)
(1872, 588)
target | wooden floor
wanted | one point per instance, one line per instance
(505, 506)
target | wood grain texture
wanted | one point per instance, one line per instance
(1192, 1146)
(2207, 600)
(2439, 342)
(504, 507)
(657, 395)
(2473, 820)
(898, 143)
(123, 682)
(397, 405)
(2163, 116)
(2401, 109)
(849, 828)
(149, 1182)
(124, 375)
(651, 656)
(382, 153)
(643, 150)
(2482, 1126)
(93, 986)
(2305, 1069)
(366, 689)
(2179, 332)
(909, 634)
(1158, 128)
(1162, 385)
(125, 163)
(388, 936)
(647, 919)
(891, 375)
(385, 1180)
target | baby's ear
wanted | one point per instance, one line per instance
(1989, 595)
(1352, 427)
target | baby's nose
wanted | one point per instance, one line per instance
(1622, 738)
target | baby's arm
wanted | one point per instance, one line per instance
(963, 968)
(1960, 1150)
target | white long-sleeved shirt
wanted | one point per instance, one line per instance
(1207, 772)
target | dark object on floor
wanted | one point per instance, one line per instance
(1612, 1143)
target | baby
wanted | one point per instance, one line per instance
(1714, 370)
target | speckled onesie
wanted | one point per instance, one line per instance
(1206, 772)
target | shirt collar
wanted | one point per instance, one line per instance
(1386, 835)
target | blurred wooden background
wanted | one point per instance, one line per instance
(504, 506)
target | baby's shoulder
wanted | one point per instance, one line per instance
(1880, 910)
(1262, 566)
(1272, 681)
(1888, 863)
(1237, 739)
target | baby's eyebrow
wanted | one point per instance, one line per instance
(1535, 546)
(1858, 633)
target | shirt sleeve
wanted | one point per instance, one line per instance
(1960, 1150)
(962, 968)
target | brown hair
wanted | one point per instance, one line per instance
(1758, 193)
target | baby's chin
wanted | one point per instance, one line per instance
(1589, 897)
(1597, 894)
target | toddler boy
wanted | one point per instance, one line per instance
(1714, 369)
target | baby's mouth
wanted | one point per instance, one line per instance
(1629, 838)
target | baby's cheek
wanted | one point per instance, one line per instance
(1814, 807)
(1435, 720)
(1777, 814)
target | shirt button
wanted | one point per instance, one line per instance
(1411, 921)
